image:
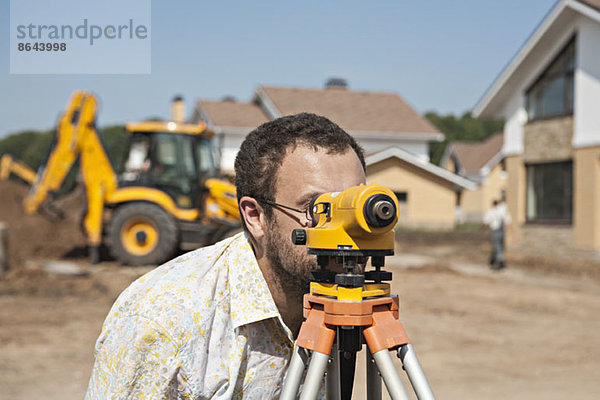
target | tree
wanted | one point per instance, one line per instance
(465, 128)
(115, 140)
(32, 147)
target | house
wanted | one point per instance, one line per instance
(393, 134)
(231, 121)
(549, 95)
(426, 193)
(483, 164)
(377, 120)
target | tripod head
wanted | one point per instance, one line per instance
(351, 226)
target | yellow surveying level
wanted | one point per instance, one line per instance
(357, 221)
(345, 310)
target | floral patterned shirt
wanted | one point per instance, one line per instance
(202, 326)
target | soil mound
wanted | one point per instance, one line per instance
(39, 236)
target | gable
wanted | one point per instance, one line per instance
(420, 167)
(473, 156)
(552, 34)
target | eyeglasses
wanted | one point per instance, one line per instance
(306, 212)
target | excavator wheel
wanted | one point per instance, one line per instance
(142, 234)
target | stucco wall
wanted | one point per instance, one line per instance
(475, 203)
(450, 165)
(515, 117)
(515, 196)
(587, 84)
(430, 199)
(548, 140)
(230, 145)
(586, 199)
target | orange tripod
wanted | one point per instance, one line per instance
(350, 314)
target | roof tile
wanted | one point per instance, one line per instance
(231, 113)
(472, 156)
(592, 3)
(352, 110)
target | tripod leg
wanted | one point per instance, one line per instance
(340, 374)
(333, 374)
(415, 373)
(390, 375)
(291, 384)
(316, 336)
(347, 368)
(373, 378)
(314, 376)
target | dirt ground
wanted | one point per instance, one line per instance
(529, 332)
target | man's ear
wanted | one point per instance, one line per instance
(254, 217)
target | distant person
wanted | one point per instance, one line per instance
(138, 161)
(496, 219)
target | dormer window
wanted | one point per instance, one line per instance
(552, 94)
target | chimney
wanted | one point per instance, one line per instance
(336, 83)
(178, 109)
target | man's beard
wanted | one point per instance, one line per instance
(285, 259)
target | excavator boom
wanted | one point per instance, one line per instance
(76, 137)
(9, 165)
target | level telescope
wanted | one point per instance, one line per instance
(349, 227)
(356, 221)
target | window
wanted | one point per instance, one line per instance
(552, 94)
(401, 196)
(204, 156)
(402, 206)
(550, 192)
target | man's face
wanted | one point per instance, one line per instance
(304, 174)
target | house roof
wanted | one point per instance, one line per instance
(230, 113)
(396, 152)
(354, 111)
(592, 3)
(559, 16)
(473, 156)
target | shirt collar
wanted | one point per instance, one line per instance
(250, 298)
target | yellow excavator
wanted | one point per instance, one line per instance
(168, 198)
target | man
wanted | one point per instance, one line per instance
(219, 322)
(497, 218)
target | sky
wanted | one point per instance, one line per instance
(439, 55)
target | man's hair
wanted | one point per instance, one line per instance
(262, 152)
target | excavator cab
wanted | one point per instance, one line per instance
(168, 196)
(176, 162)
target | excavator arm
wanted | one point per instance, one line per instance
(76, 136)
(9, 165)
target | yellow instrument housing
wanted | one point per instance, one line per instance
(343, 226)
